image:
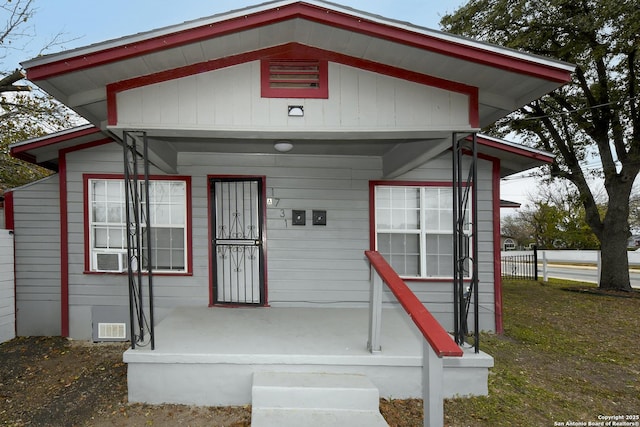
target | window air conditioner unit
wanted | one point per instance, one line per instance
(110, 261)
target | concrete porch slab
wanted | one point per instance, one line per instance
(207, 356)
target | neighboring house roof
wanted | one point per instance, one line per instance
(509, 204)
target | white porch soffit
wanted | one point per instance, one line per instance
(503, 79)
(513, 157)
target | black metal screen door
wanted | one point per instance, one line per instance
(237, 244)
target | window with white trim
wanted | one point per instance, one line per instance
(107, 219)
(414, 229)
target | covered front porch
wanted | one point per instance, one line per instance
(208, 356)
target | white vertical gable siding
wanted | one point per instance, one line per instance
(229, 99)
(307, 265)
(7, 294)
(37, 251)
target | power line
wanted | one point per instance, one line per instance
(593, 107)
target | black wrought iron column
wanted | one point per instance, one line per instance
(465, 241)
(139, 266)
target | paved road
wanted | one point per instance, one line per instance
(583, 273)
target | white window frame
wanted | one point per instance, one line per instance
(120, 247)
(424, 227)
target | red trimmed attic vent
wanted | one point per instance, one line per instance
(294, 78)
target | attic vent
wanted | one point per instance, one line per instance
(294, 74)
(112, 330)
(292, 78)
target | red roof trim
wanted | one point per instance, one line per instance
(305, 11)
(46, 141)
(291, 50)
(515, 150)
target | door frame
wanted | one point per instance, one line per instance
(211, 236)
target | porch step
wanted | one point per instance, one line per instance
(286, 399)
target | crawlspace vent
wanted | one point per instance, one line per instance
(112, 330)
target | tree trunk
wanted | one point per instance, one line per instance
(615, 234)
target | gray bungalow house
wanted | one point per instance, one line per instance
(283, 141)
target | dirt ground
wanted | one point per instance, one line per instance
(57, 382)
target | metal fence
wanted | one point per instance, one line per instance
(520, 265)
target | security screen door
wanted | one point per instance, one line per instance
(237, 244)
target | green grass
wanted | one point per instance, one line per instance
(564, 356)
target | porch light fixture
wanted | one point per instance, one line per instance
(296, 111)
(283, 146)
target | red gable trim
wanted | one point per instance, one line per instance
(291, 50)
(305, 11)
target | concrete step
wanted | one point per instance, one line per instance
(315, 418)
(314, 391)
(314, 399)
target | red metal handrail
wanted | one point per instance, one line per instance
(439, 340)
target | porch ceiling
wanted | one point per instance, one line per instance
(505, 79)
(398, 155)
(374, 147)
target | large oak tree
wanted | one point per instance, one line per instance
(598, 111)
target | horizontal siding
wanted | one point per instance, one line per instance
(307, 265)
(37, 241)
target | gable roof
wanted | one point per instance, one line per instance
(504, 79)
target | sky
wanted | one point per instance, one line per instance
(81, 23)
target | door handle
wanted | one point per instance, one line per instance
(238, 242)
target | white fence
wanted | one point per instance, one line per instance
(7, 291)
(570, 257)
(573, 256)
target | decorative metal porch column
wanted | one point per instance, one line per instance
(465, 238)
(138, 238)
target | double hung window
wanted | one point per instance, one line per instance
(414, 229)
(107, 225)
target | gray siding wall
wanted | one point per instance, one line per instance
(7, 294)
(37, 249)
(307, 265)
